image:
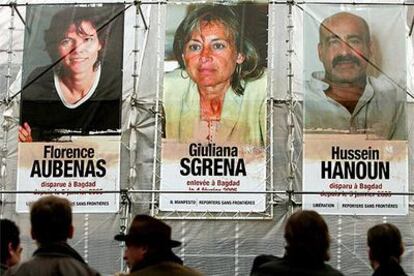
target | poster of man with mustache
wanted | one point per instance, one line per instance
(355, 130)
(346, 96)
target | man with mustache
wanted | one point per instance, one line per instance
(344, 98)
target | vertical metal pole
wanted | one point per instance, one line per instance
(339, 239)
(183, 234)
(134, 112)
(86, 237)
(9, 53)
(155, 177)
(6, 119)
(236, 249)
(138, 60)
(125, 203)
(270, 106)
(290, 105)
(123, 222)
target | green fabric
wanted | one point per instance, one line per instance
(243, 118)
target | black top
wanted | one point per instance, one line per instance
(47, 116)
(391, 268)
(267, 265)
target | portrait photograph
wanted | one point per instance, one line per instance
(355, 71)
(215, 80)
(214, 107)
(72, 72)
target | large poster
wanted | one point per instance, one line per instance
(355, 110)
(215, 89)
(70, 112)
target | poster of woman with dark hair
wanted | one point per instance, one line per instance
(70, 112)
(79, 91)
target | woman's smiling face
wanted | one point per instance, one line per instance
(79, 48)
(211, 55)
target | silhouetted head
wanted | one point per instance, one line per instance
(385, 243)
(307, 237)
(51, 219)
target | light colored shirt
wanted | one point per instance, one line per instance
(379, 113)
(243, 117)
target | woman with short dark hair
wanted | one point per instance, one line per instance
(10, 249)
(77, 93)
(385, 250)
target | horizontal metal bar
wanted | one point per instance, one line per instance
(185, 2)
(350, 3)
(202, 192)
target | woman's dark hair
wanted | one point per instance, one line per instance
(385, 243)
(10, 234)
(250, 69)
(62, 20)
(307, 237)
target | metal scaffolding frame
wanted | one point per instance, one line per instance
(143, 25)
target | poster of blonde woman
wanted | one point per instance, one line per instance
(215, 90)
